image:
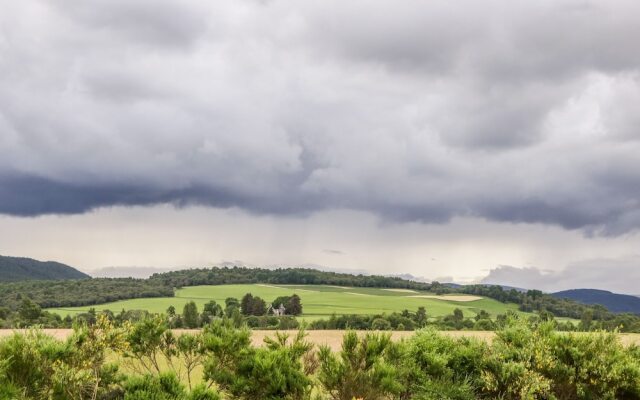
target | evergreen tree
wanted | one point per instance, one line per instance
(246, 304)
(294, 307)
(258, 307)
(190, 316)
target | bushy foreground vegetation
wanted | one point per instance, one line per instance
(147, 361)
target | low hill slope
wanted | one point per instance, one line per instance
(614, 302)
(319, 301)
(14, 269)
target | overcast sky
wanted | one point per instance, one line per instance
(443, 139)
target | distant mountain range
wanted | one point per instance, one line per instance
(22, 269)
(614, 302)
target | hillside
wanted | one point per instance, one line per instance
(319, 301)
(614, 302)
(14, 269)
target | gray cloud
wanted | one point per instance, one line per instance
(619, 275)
(511, 111)
(333, 252)
(156, 23)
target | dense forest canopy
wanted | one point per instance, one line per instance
(72, 293)
(300, 276)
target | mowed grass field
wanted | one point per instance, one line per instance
(319, 301)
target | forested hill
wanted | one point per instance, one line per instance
(14, 269)
(614, 302)
(294, 276)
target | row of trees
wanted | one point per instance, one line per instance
(249, 306)
(592, 317)
(29, 313)
(524, 361)
(254, 305)
(292, 276)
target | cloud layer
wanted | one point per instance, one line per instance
(619, 275)
(511, 111)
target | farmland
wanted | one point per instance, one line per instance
(319, 301)
(332, 338)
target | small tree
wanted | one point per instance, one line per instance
(171, 311)
(29, 311)
(259, 307)
(246, 304)
(230, 304)
(190, 351)
(271, 372)
(482, 314)
(284, 300)
(190, 316)
(586, 320)
(421, 316)
(294, 307)
(380, 324)
(210, 311)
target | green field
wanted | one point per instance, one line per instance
(318, 301)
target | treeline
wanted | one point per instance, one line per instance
(83, 292)
(21, 302)
(592, 317)
(409, 321)
(146, 360)
(252, 310)
(291, 276)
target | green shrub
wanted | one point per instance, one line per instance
(362, 370)
(512, 368)
(246, 372)
(443, 390)
(42, 367)
(28, 361)
(540, 362)
(441, 356)
(380, 324)
(165, 386)
(201, 392)
(592, 366)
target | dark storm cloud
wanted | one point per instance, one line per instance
(513, 111)
(31, 196)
